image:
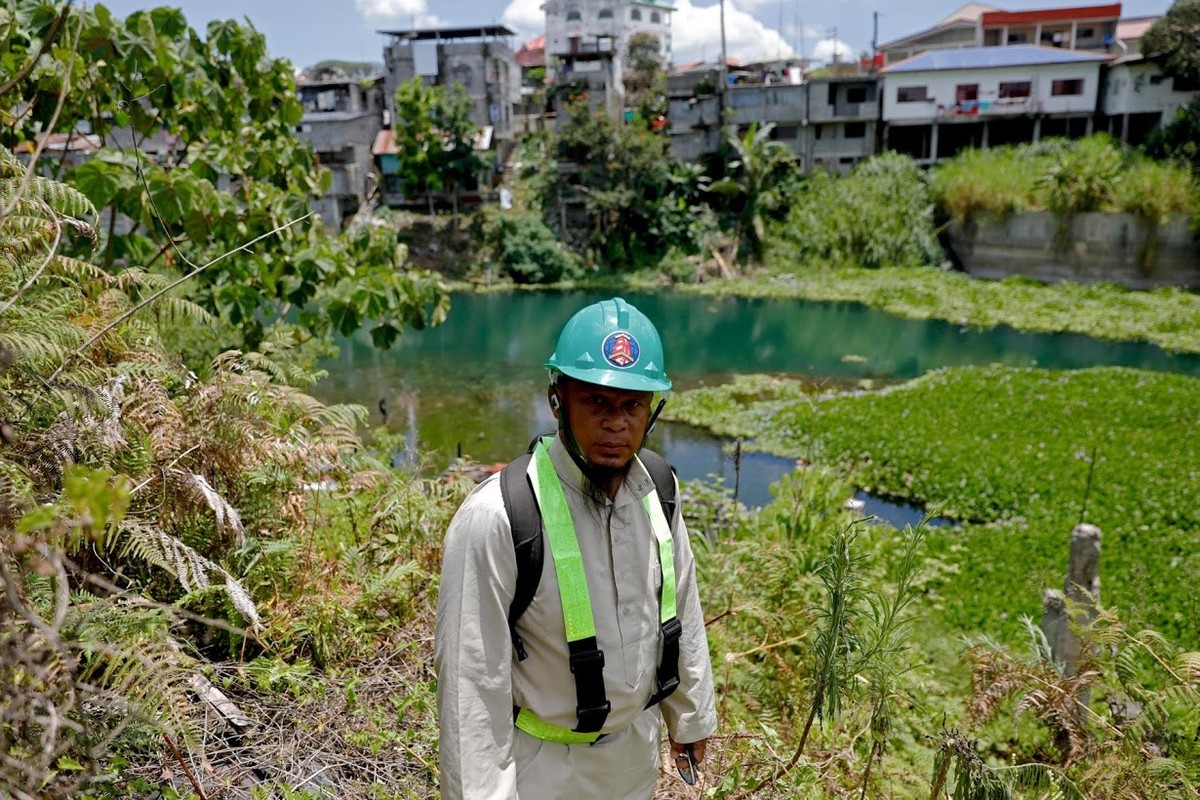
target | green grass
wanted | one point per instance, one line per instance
(1008, 450)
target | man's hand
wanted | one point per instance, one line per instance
(698, 749)
(686, 757)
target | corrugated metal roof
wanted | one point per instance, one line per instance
(985, 57)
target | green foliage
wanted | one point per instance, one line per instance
(999, 181)
(526, 250)
(1085, 177)
(435, 137)
(1092, 174)
(1008, 449)
(614, 169)
(1179, 139)
(882, 215)
(1175, 37)
(756, 177)
(1156, 191)
(215, 182)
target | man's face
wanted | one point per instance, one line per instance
(608, 424)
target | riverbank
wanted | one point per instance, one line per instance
(1169, 318)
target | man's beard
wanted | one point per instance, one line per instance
(598, 479)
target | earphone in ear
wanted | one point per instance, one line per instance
(554, 403)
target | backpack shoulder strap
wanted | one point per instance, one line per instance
(663, 475)
(525, 519)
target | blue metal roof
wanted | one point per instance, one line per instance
(1016, 55)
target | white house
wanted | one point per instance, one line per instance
(943, 101)
(1137, 97)
(570, 24)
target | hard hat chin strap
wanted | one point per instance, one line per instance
(654, 418)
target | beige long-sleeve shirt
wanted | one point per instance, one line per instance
(482, 754)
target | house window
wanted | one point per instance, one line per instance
(785, 132)
(856, 94)
(1018, 38)
(573, 16)
(636, 15)
(1155, 80)
(655, 17)
(1066, 86)
(1085, 33)
(966, 92)
(817, 131)
(854, 130)
(1179, 84)
(605, 13)
(1015, 89)
(912, 94)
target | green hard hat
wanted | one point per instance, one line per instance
(611, 343)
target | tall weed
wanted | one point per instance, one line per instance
(882, 215)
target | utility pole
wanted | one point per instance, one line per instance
(723, 77)
(875, 34)
(835, 45)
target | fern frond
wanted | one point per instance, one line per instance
(64, 199)
(179, 310)
(78, 272)
(1189, 665)
(190, 568)
(227, 517)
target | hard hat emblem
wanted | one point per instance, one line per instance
(621, 350)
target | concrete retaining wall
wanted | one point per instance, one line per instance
(1085, 248)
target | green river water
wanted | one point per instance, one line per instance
(475, 385)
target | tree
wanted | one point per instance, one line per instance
(1175, 38)
(199, 160)
(646, 79)
(621, 170)
(1180, 138)
(435, 138)
(755, 178)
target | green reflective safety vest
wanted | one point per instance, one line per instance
(586, 658)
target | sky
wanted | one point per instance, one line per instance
(308, 31)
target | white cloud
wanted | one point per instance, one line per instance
(696, 34)
(377, 9)
(825, 49)
(406, 12)
(526, 17)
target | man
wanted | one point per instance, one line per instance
(568, 703)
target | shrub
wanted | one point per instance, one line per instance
(1085, 177)
(998, 182)
(882, 215)
(1154, 191)
(527, 250)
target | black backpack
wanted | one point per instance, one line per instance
(525, 519)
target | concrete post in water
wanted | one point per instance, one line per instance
(1079, 600)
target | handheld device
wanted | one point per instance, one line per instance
(685, 762)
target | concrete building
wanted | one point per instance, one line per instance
(1138, 98)
(978, 25)
(829, 123)
(480, 59)
(342, 117)
(570, 23)
(593, 72)
(943, 101)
